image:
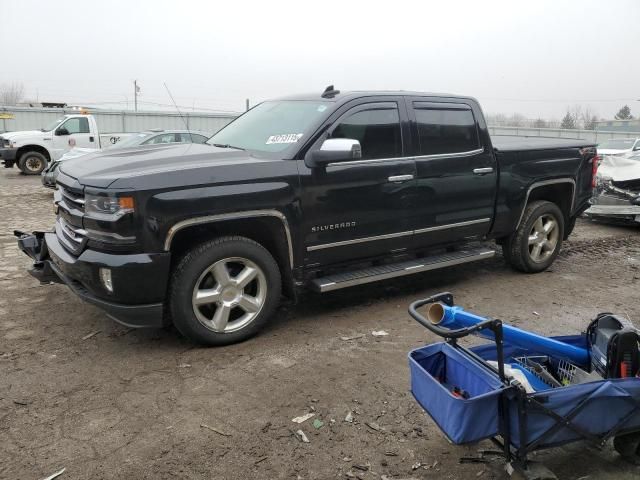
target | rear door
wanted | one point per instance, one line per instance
(455, 172)
(359, 209)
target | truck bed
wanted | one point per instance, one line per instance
(509, 143)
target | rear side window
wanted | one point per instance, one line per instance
(192, 138)
(376, 128)
(446, 130)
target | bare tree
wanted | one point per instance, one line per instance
(517, 120)
(588, 118)
(540, 123)
(11, 93)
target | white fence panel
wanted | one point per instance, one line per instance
(595, 136)
(14, 119)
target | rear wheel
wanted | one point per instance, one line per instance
(224, 291)
(536, 243)
(32, 163)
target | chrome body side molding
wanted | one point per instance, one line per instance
(231, 216)
(395, 235)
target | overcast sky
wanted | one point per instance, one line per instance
(534, 57)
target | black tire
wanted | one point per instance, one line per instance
(628, 446)
(32, 163)
(196, 267)
(517, 250)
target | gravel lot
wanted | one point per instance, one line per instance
(132, 404)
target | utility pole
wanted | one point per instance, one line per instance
(136, 90)
(247, 104)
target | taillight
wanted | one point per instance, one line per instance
(594, 170)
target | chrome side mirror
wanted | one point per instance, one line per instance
(335, 150)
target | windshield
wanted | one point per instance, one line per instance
(52, 125)
(618, 144)
(272, 126)
(132, 141)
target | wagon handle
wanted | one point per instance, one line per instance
(494, 325)
(447, 299)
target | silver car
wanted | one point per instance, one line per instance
(148, 137)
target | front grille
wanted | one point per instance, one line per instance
(72, 238)
(76, 235)
(73, 198)
(69, 225)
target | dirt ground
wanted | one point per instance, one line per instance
(132, 404)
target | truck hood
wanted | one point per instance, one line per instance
(128, 168)
(19, 135)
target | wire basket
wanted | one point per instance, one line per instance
(539, 366)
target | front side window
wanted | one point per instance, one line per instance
(446, 131)
(377, 129)
(76, 125)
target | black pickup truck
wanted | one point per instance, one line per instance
(316, 192)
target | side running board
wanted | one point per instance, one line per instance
(373, 274)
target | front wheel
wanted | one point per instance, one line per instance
(224, 291)
(536, 243)
(32, 163)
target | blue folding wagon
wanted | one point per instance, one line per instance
(468, 395)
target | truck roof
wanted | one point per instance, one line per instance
(342, 97)
(509, 143)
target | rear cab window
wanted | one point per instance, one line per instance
(445, 128)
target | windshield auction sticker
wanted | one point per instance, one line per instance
(285, 138)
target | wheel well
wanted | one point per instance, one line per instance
(33, 148)
(267, 231)
(559, 193)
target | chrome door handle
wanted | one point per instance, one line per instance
(400, 178)
(483, 171)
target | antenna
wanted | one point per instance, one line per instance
(330, 92)
(186, 124)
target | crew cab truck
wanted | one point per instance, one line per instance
(317, 192)
(33, 150)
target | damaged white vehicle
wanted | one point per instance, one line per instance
(617, 192)
(619, 146)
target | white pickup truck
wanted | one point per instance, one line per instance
(33, 150)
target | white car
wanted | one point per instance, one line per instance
(619, 146)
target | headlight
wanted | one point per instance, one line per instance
(108, 206)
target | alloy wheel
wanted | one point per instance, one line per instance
(229, 294)
(543, 238)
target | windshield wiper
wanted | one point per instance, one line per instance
(226, 145)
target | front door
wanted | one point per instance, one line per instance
(73, 132)
(359, 209)
(455, 173)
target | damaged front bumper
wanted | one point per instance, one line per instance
(52, 263)
(615, 203)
